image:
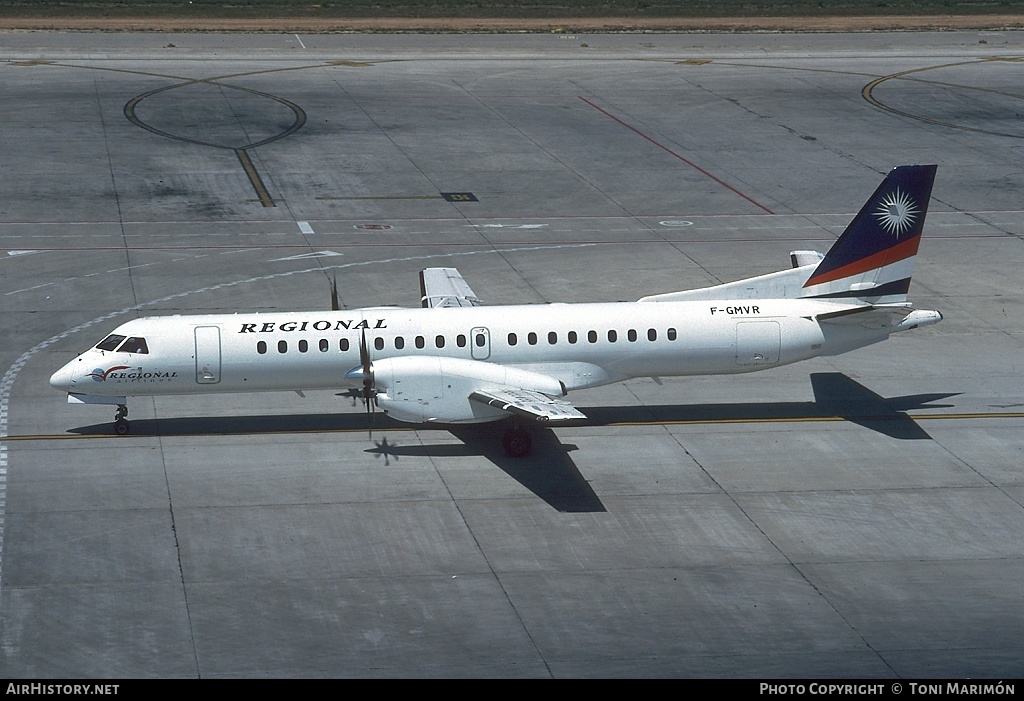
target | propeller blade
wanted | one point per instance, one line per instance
(364, 360)
(335, 304)
(364, 357)
(369, 416)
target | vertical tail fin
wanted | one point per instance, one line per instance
(874, 258)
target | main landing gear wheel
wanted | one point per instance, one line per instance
(121, 425)
(517, 442)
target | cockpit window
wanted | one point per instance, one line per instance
(135, 344)
(110, 342)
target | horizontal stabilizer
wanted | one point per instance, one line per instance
(528, 403)
(802, 258)
(898, 316)
(856, 315)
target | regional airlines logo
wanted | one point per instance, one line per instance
(99, 374)
(897, 212)
(116, 375)
(320, 325)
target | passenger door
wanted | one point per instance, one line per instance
(207, 355)
(480, 343)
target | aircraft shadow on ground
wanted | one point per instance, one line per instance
(835, 396)
(549, 471)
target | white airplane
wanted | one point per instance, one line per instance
(454, 361)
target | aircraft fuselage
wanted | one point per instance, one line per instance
(579, 345)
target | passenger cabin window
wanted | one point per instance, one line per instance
(592, 336)
(134, 344)
(282, 346)
(378, 343)
(460, 340)
(531, 338)
(571, 336)
(481, 340)
(631, 335)
(439, 341)
(399, 342)
(552, 337)
(324, 345)
(261, 347)
(671, 334)
(420, 342)
(652, 335)
(612, 336)
(110, 342)
(303, 346)
(343, 345)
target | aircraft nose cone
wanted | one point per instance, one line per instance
(61, 380)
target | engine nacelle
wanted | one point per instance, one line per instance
(421, 389)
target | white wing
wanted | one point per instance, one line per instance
(526, 402)
(445, 287)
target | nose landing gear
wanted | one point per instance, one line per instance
(121, 425)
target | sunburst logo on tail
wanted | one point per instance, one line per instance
(896, 212)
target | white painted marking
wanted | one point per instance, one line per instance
(22, 253)
(304, 227)
(676, 223)
(240, 250)
(300, 41)
(317, 254)
(509, 226)
(27, 289)
(128, 267)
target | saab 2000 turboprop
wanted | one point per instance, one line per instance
(454, 361)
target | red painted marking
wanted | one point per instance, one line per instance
(684, 160)
(891, 255)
